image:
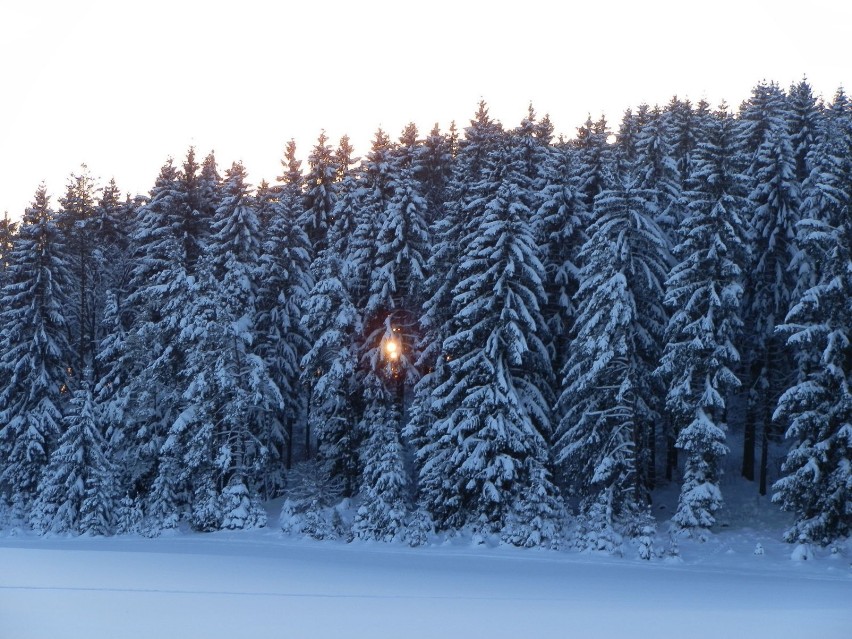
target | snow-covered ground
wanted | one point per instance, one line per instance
(261, 584)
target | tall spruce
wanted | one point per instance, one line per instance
(704, 292)
(817, 408)
(76, 220)
(775, 197)
(486, 464)
(608, 401)
(285, 282)
(232, 401)
(34, 352)
(75, 493)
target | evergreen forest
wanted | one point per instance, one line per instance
(494, 330)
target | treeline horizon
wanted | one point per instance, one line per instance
(494, 331)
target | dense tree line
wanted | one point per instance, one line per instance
(500, 331)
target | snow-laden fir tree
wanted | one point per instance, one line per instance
(320, 194)
(436, 166)
(486, 462)
(34, 353)
(817, 481)
(231, 399)
(804, 121)
(75, 493)
(388, 350)
(776, 202)
(559, 227)
(594, 159)
(285, 282)
(328, 370)
(76, 222)
(704, 293)
(657, 172)
(149, 395)
(8, 229)
(446, 234)
(607, 403)
(373, 195)
(384, 479)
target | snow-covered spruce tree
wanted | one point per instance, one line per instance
(328, 368)
(657, 173)
(76, 223)
(594, 159)
(320, 194)
(8, 230)
(704, 293)
(804, 121)
(628, 134)
(816, 483)
(160, 292)
(447, 233)
(559, 227)
(530, 142)
(486, 463)
(115, 360)
(388, 349)
(34, 353)
(201, 185)
(372, 198)
(436, 167)
(75, 493)
(384, 480)
(683, 125)
(231, 399)
(607, 402)
(285, 282)
(776, 202)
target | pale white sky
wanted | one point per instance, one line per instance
(122, 85)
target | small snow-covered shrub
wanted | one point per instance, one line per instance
(128, 516)
(419, 528)
(240, 510)
(802, 552)
(308, 507)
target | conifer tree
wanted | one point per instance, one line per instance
(159, 299)
(804, 122)
(657, 169)
(817, 408)
(34, 352)
(75, 493)
(486, 463)
(76, 220)
(482, 138)
(230, 396)
(594, 159)
(388, 352)
(704, 292)
(607, 402)
(285, 283)
(320, 196)
(8, 229)
(560, 232)
(328, 370)
(436, 162)
(776, 201)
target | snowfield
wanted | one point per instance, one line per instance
(262, 584)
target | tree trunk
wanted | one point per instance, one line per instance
(671, 456)
(764, 457)
(652, 456)
(289, 457)
(749, 436)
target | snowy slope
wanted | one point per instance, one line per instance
(260, 584)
